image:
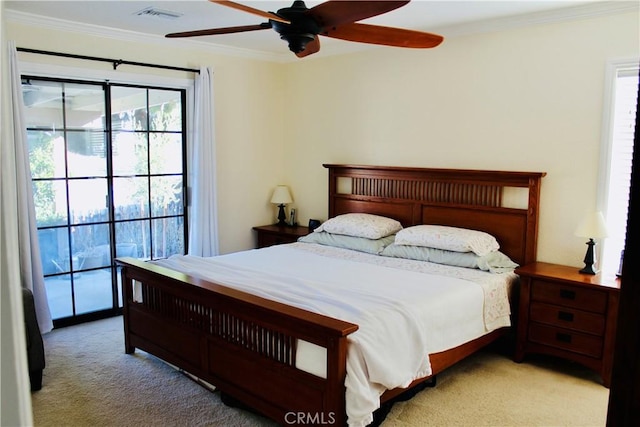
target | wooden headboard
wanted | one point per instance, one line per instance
(504, 204)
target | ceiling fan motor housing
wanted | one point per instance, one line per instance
(302, 28)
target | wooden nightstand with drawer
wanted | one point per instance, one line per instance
(269, 235)
(567, 314)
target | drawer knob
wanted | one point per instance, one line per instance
(566, 338)
(567, 317)
(567, 294)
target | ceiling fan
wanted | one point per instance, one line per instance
(301, 26)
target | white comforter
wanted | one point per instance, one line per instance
(405, 309)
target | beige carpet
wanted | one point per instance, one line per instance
(90, 381)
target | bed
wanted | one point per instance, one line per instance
(248, 344)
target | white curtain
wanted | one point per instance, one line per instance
(203, 219)
(18, 208)
(15, 405)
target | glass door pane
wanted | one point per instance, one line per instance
(148, 169)
(68, 156)
(107, 183)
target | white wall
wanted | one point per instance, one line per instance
(527, 99)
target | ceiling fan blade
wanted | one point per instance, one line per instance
(249, 9)
(335, 13)
(311, 48)
(387, 36)
(216, 31)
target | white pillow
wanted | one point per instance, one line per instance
(448, 238)
(361, 225)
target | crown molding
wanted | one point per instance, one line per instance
(571, 13)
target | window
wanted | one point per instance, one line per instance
(619, 128)
(108, 170)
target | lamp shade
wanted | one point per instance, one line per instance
(592, 226)
(281, 195)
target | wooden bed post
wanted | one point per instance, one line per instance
(127, 298)
(533, 218)
(336, 375)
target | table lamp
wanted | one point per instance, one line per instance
(281, 197)
(592, 227)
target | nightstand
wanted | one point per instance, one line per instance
(568, 314)
(275, 234)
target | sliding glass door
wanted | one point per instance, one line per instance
(108, 170)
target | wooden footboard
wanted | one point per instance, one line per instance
(243, 344)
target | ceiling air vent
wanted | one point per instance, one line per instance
(158, 13)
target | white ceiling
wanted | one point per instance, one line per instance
(450, 18)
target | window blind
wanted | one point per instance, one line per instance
(623, 129)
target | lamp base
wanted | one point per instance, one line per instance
(589, 259)
(588, 269)
(282, 216)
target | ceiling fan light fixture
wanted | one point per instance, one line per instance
(297, 41)
(302, 28)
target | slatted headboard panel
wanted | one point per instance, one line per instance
(502, 203)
